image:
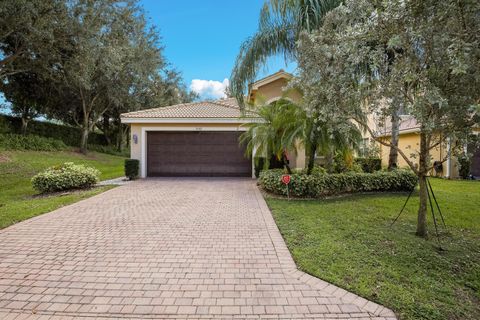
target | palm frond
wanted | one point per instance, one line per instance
(280, 25)
(270, 41)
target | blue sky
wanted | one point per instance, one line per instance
(202, 38)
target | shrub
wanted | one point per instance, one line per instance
(318, 170)
(369, 165)
(318, 185)
(30, 142)
(464, 169)
(132, 167)
(4, 125)
(65, 177)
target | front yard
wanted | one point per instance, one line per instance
(348, 241)
(18, 200)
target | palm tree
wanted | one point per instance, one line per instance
(271, 136)
(322, 137)
(285, 125)
(281, 23)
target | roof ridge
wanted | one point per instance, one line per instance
(220, 102)
(156, 108)
(184, 104)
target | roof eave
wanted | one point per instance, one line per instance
(189, 120)
(271, 78)
(405, 131)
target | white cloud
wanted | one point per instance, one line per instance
(209, 89)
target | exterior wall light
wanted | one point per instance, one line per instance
(135, 138)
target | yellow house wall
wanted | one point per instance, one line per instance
(274, 90)
(409, 143)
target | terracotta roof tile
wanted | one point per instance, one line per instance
(224, 108)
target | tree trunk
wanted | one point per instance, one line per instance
(329, 161)
(393, 156)
(423, 191)
(119, 138)
(311, 157)
(422, 208)
(285, 163)
(106, 128)
(84, 139)
(127, 135)
(24, 125)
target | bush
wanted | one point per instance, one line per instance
(132, 167)
(464, 169)
(65, 177)
(369, 165)
(30, 142)
(318, 185)
(4, 125)
(318, 170)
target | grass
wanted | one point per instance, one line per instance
(347, 241)
(17, 197)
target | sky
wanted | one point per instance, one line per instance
(202, 39)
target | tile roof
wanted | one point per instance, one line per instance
(222, 109)
(408, 123)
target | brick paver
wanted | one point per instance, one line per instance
(164, 248)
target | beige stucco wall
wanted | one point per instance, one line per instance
(272, 91)
(275, 90)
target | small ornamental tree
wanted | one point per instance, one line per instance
(345, 68)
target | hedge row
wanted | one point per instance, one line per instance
(30, 142)
(319, 185)
(69, 135)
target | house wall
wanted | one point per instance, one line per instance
(272, 91)
(409, 143)
(136, 130)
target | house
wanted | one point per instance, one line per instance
(409, 143)
(200, 138)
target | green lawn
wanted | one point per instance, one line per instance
(348, 241)
(17, 197)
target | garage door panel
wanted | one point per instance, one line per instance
(196, 154)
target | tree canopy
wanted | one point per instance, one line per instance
(92, 60)
(346, 67)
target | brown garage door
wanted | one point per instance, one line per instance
(207, 154)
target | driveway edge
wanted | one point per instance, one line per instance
(288, 264)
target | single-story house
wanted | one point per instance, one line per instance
(199, 138)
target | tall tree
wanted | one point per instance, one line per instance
(281, 23)
(26, 92)
(98, 67)
(435, 76)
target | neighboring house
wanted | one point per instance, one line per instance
(201, 138)
(409, 143)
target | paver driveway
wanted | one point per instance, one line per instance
(164, 248)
